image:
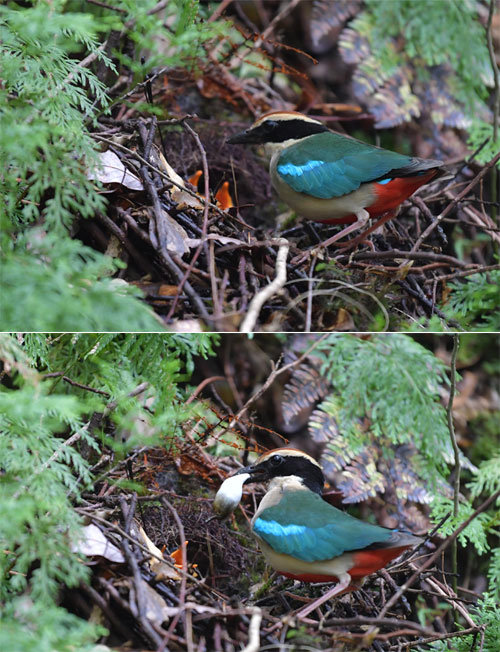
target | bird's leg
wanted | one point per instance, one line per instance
(362, 218)
(342, 586)
(361, 237)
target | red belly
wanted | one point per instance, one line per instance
(389, 196)
(366, 562)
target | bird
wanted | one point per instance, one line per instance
(332, 178)
(302, 536)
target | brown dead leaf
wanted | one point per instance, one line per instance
(343, 321)
(177, 238)
(157, 610)
(161, 570)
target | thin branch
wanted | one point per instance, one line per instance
(182, 591)
(140, 599)
(438, 637)
(261, 297)
(496, 103)
(253, 644)
(456, 451)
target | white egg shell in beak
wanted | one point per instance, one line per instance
(229, 495)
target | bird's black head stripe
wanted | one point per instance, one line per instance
(277, 131)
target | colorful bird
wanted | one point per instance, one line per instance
(304, 537)
(335, 179)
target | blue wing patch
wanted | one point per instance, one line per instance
(327, 165)
(304, 526)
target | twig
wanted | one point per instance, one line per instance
(115, 230)
(496, 102)
(440, 588)
(437, 552)
(437, 637)
(158, 211)
(106, 6)
(206, 204)
(60, 374)
(407, 255)
(203, 384)
(182, 590)
(307, 327)
(253, 644)
(146, 626)
(378, 621)
(455, 201)
(456, 452)
(468, 272)
(261, 297)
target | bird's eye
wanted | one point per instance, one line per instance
(270, 125)
(276, 460)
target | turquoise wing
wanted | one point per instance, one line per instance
(306, 527)
(327, 165)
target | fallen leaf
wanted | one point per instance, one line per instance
(344, 321)
(95, 544)
(112, 170)
(184, 200)
(160, 569)
(156, 608)
(177, 238)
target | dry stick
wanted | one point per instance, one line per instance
(104, 606)
(205, 218)
(161, 173)
(456, 452)
(453, 203)
(161, 223)
(438, 637)
(60, 374)
(447, 277)
(146, 626)
(496, 103)
(410, 255)
(140, 545)
(253, 644)
(307, 328)
(202, 385)
(261, 297)
(437, 552)
(182, 590)
(440, 589)
(363, 620)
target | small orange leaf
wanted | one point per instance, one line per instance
(223, 197)
(195, 178)
(177, 556)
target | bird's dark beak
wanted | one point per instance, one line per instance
(246, 137)
(257, 474)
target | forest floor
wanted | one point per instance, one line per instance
(203, 234)
(203, 584)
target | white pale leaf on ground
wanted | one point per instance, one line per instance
(112, 170)
(95, 544)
